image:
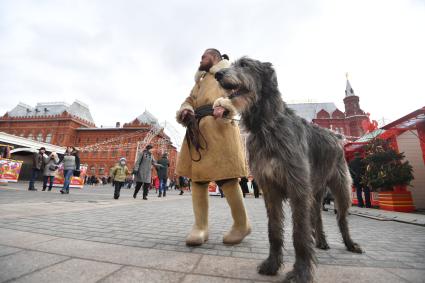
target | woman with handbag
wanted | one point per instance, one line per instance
(71, 165)
(50, 169)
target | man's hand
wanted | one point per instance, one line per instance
(185, 113)
(218, 112)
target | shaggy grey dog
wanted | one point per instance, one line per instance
(291, 159)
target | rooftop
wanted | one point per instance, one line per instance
(78, 109)
(309, 111)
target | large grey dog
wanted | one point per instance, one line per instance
(291, 159)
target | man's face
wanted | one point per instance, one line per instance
(42, 151)
(207, 61)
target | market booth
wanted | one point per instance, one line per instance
(406, 135)
(16, 155)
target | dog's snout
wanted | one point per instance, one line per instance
(219, 75)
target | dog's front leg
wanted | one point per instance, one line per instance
(301, 201)
(274, 203)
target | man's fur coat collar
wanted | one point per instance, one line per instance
(214, 69)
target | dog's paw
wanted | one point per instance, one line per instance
(295, 277)
(355, 248)
(322, 245)
(269, 267)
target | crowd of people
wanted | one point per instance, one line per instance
(47, 165)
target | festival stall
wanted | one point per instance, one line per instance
(405, 135)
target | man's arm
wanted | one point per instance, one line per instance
(185, 109)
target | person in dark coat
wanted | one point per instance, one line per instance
(255, 188)
(357, 170)
(38, 163)
(163, 174)
(243, 183)
(143, 171)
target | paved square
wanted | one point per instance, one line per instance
(87, 236)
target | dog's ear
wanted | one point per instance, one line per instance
(269, 74)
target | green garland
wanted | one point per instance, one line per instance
(384, 167)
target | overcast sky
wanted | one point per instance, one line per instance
(122, 57)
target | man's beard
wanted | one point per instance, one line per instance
(206, 67)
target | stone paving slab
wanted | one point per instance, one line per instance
(5, 250)
(410, 275)
(343, 274)
(135, 274)
(22, 239)
(18, 264)
(70, 271)
(121, 254)
(192, 278)
(411, 218)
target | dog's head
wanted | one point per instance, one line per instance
(247, 81)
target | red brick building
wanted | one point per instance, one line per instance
(351, 123)
(62, 124)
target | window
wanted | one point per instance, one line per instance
(93, 170)
(49, 138)
(101, 171)
(30, 136)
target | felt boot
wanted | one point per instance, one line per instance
(241, 227)
(199, 233)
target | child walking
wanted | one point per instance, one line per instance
(119, 174)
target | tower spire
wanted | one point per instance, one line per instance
(349, 91)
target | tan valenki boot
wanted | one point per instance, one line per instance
(241, 227)
(199, 233)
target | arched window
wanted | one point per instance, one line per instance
(30, 136)
(49, 138)
(101, 171)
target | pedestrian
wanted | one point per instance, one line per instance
(180, 184)
(71, 163)
(50, 170)
(255, 188)
(163, 174)
(212, 151)
(357, 170)
(129, 182)
(155, 183)
(143, 171)
(243, 183)
(38, 164)
(120, 173)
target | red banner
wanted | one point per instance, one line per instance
(9, 170)
(76, 182)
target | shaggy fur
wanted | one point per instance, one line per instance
(291, 159)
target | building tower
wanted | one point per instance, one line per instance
(353, 113)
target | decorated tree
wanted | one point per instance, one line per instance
(385, 168)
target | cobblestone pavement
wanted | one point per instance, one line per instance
(87, 236)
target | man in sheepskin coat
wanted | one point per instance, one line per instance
(211, 151)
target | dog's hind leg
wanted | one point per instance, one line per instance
(301, 198)
(274, 203)
(340, 186)
(316, 219)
